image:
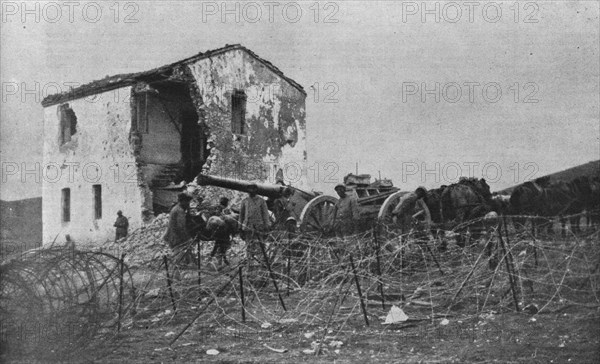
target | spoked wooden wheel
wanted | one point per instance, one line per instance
(385, 211)
(318, 214)
(384, 218)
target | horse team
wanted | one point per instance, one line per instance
(538, 201)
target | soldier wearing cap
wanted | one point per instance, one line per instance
(223, 207)
(282, 208)
(122, 224)
(254, 218)
(177, 233)
(346, 215)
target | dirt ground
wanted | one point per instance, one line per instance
(570, 336)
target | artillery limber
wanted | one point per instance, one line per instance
(314, 211)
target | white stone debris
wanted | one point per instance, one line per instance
(145, 246)
(395, 315)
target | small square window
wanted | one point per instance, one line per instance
(66, 204)
(97, 201)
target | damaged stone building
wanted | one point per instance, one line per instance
(120, 143)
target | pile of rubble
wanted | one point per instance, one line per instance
(144, 246)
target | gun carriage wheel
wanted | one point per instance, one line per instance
(385, 211)
(317, 216)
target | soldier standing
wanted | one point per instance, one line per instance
(346, 214)
(177, 233)
(254, 218)
(282, 209)
(122, 224)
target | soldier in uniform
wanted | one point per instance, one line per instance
(254, 219)
(177, 233)
(346, 215)
(122, 224)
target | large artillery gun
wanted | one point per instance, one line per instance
(315, 212)
(311, 210)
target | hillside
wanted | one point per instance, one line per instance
(588, 169)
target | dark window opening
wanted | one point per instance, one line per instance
(68, 123)
(141, 124)
(238, 112)
(97, 201)
(66, 204)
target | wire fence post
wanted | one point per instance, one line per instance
(169, 283)
(242, 293)
(122, 268)
(198, 262)
(360, 296)
(289, 264)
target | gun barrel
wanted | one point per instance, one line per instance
(266, 190)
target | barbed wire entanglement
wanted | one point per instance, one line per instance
(59, 302)
(330, 286)
(312, 282)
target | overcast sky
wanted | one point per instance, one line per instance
(517, 86)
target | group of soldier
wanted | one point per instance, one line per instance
(254, 220)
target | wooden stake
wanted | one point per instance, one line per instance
(122, 263)
(360, 296)
(289, 262)
(198, 262)
(534, 240)
(242, 294)
(169, 283)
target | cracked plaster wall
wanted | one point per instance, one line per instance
(275, 121)
(99, 153)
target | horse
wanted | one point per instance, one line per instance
(579, 189)
(451, 206)
(543, 201)
(480, 186)
(527, 200)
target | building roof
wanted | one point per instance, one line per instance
(128, 79)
